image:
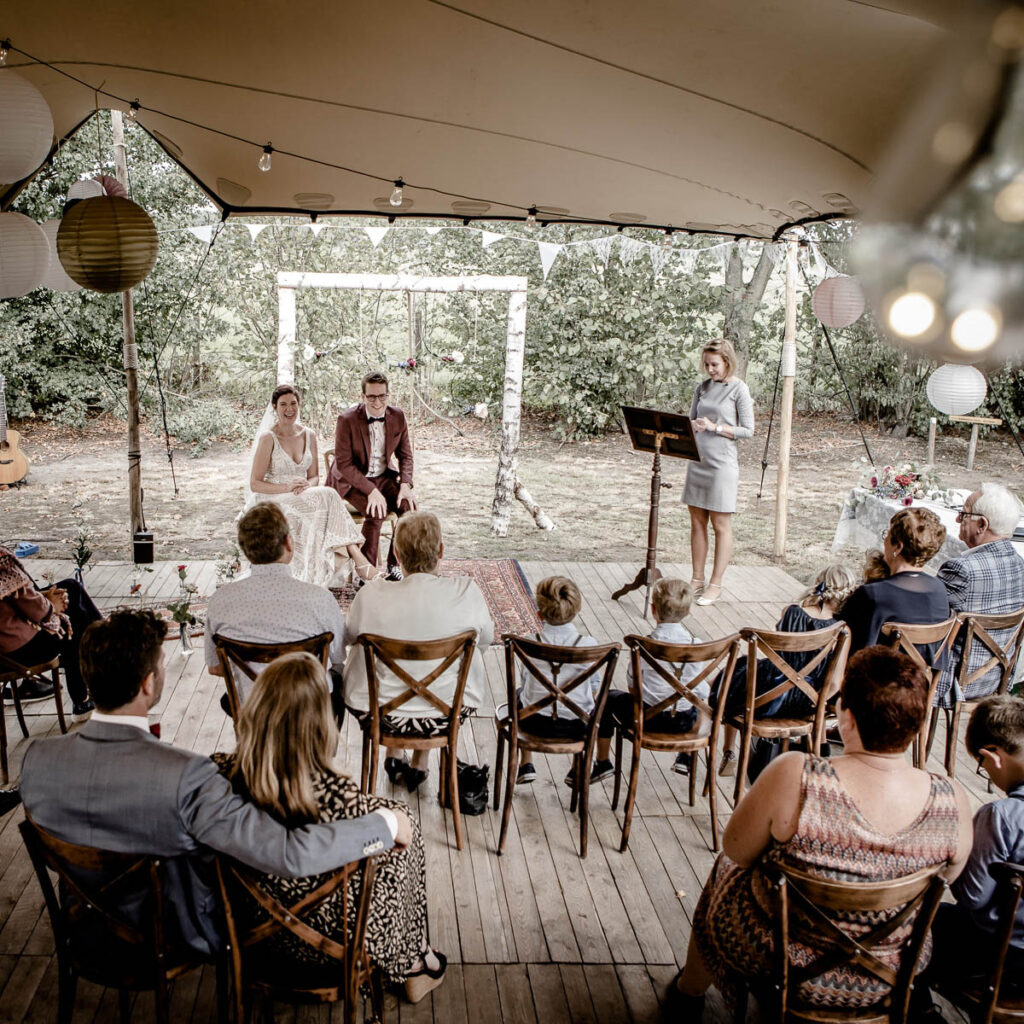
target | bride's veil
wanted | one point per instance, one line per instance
(266, 424)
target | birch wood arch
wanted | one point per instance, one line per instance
(507, 484)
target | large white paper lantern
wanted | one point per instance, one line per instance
(56, 278)
(107, 244)
(88, 188)
(956, 390)
(26, 127)
(24, 255)
(838, 301)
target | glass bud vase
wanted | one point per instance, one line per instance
(185, 636)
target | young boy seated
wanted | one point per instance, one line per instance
(558, 603)
(964, 933)
(670, 604)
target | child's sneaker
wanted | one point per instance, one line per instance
(601, 770)
(526, 774)
(728, 763)
(682, 763)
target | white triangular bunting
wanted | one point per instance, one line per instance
(375, 235)
(203, 233)
(548, 254)
(658, 254)
(687, 259)
(489, 238)
(629, 249)
(432, 231)
(603, 248)
(316, 228)
(255, 229)
(819, 261)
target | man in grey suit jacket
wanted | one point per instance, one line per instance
(114, 786)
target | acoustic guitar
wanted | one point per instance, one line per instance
(13, 465)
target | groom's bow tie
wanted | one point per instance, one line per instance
(374, 419)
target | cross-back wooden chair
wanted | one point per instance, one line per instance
(978, 643)
(94, 937)
(239, 656)
(985, 1001)
(446, 651)
(11, 673)
(718, 659)
(828, 648)
(807, 909)
(255, 916)
(910, 638)
(544, 662)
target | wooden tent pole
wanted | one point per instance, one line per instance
(130, 352)
(786, 410)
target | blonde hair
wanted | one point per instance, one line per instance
(724, 348)
(286, 735)
(875, 566)
(671, 599)
(558, 600)
(418, 542)
(833, 585)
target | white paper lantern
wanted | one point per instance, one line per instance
(24, 255)
(838, 301)
(956, 390)
(56, 278)
(89, 188)
(26, 127)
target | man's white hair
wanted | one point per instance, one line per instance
(1000, 507)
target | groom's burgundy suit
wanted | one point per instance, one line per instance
(352, 460)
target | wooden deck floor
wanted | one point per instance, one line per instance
(534, 935)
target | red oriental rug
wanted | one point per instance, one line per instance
(504, 588)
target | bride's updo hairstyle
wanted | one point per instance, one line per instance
(284, 389)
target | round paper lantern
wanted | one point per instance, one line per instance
(24, 254)
(107, 244)
(56, 278)
(838, 301)
(111, 186)
(89, 188)
(26, 127)
(956, 390)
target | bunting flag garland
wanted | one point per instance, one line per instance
(658, 254)
(489, 238)
(629, 249)
(687, 259)
(433, 231)
(376, 235)
(603, 248)
(255, 229)
(316, 228)
(204, 232)
(548, 254)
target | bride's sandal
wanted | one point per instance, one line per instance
(422, 982)
(710, 595)
(697, 586)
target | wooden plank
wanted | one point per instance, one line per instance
(481, 987)
(515, 994)
(549, 994)
(21, 987)
(606, 992)
(641, 998)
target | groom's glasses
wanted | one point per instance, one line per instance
(383, 397)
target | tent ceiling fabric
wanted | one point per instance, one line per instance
(740, 115)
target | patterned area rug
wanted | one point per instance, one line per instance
(504, 587)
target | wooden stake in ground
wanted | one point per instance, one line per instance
(786, 411)
(131, 353)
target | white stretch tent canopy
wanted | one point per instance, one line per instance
(734, 115)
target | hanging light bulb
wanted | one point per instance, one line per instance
(396, 193)
(667, 240)
(264, 161)
(912, 314)
(133, 110)
(5, 48)
(531, 218)
(975, 330)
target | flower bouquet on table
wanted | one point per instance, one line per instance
(902, 483)
(181, 610)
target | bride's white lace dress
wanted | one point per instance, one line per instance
(318, 520)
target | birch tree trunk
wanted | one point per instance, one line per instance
(744, 297)
(511, 415)
(523, 496)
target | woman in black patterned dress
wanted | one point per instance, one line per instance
(287, 739)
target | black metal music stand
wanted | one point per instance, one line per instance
(662, 433)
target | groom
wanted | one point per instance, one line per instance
(366, 438)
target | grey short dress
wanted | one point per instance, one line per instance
(711, 483)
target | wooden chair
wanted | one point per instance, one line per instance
(254, 916)
(718, 658)
(977, 631)
(237, 655)
(985, 1002)
(533, 654)
(910, 638)
(829, 648)
(12, 673)
(806, 910)
(94, 937)
(446, 651)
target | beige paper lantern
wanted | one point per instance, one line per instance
(56, 278)
(87, 188)
(838, 301)
(26, 127)
(24, 255)
(107, 244)
(956, 390)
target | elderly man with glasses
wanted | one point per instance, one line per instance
(368, 436)
(988, 578)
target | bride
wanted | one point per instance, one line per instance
(284, 470)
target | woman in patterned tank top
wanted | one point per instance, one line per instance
(866, 816)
